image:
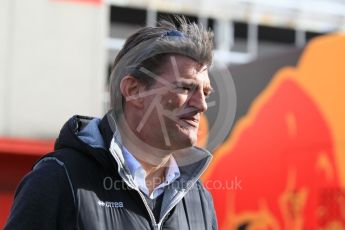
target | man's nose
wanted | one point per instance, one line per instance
(198, 100)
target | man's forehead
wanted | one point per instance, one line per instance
(184, 66)
(194, 74)
(183, 61)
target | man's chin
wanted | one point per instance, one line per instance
(178, 137)
(183, 141)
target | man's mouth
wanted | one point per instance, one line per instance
(190, 121)
(189, 118)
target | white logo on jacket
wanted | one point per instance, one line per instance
(109, 204)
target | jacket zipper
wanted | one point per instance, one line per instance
(186, 191)
(153, 219)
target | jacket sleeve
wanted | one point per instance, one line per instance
(42, 199)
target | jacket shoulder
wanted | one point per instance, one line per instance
(38, 199)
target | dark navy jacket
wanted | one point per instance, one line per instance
(82, 185)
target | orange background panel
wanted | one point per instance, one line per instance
(289, 150)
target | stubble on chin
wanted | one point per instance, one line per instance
(181, 135)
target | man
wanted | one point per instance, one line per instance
(137, 168)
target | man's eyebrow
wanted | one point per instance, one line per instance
(186, 81)
(189, 81)
(208, 88)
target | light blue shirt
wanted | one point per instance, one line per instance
(138, 174)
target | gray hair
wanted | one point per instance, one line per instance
(149, 48)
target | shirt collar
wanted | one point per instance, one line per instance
(134, 166)
(173, 172)
(131, 163)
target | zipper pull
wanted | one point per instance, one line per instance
(155, 226)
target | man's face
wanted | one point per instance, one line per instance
(172, 113)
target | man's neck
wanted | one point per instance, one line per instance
(153, 161)
(155, 174)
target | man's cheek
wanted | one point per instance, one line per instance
(170, 102)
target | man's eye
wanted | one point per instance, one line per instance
(182, 89)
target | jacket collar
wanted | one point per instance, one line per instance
(104, 144)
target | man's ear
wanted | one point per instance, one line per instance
(130, 89)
